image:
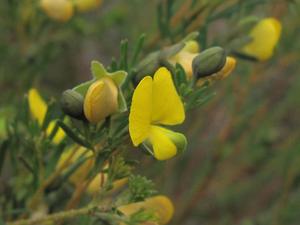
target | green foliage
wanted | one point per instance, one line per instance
(140, 188)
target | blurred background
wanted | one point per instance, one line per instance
(242, 165)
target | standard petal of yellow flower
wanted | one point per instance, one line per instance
(86, 5)
(163, 147)
(70, 157)
(37, 106)
(141, 111)
(265, 37)
(60, 134)
(167, 108)
(101, 100)
(160, 205)
(60, 10)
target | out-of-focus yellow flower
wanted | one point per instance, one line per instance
(86, 5)
(156, 102)
(59, 10)
(185, 57)
(98, 182)
(222, 74)
(38, 109)
(73, 154)
(160, 205)
(101, 100)
(265, 36)
(79, 176)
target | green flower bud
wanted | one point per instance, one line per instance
(209, 62)
(72, 104)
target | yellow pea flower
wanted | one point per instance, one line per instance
(86, 5)
(160, 205)
(79, 176)
(70, 156)
(265, 36)
(38, 109)
(97, 183)
(101, 100)
(156, 102)
(60, 10)
(185, 57)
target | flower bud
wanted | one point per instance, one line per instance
(86, 5)
(72, 104)
(220, 75)
(209, 62)
(227, 69)
(160, 205)
(60, 10)
(101, 100)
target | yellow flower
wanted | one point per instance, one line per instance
(79, 176)
(98, 182)
(60, 10)
(70, 156)
(38, 109)
(86, 5)
(160, 205)
(101, 100)
(265, 36)
(103, 95)
(156, 102)
(185, 57)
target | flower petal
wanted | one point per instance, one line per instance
(265, 36)
(161, 205)
(37, 106)
(101, 100)
(168, 108)
(140, 111)
(162, 145)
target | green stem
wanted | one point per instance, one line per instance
(56, 217)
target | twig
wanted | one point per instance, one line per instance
(56, 217)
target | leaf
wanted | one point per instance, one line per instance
(48, 116)
(138, 49)
(3, 150)
(191, 36)
(73, 167)
(124, 55)
(172, 50)
(73, 135)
